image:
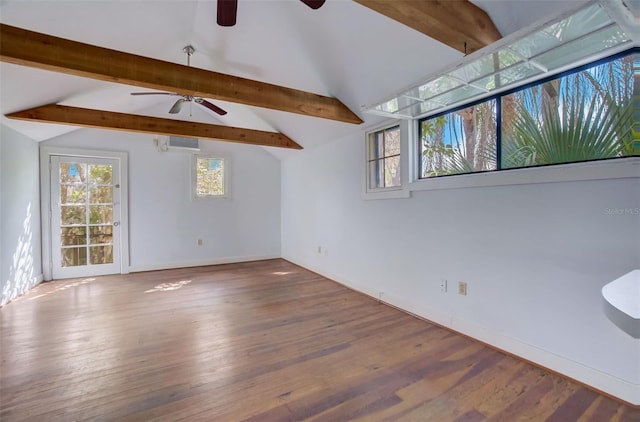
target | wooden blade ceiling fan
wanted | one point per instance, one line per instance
(177, 106)
(228, 9)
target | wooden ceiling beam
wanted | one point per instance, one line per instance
(84, 117)
(28, 48)
(459, 24)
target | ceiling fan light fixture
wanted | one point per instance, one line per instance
(177, 106)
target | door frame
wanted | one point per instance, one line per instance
(46, 152)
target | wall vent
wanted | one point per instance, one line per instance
(178, 142)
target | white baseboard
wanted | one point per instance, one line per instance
(606, 383)
(199, 263)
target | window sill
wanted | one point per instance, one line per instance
(211, 198)
(622, 168)
(386, 194)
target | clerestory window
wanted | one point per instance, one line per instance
(582, 115)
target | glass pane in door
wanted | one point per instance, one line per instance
(101, 235)
(100, 174)
(72, 257)
(73, 193)
(101, 254)
(72, 215)
(73, 236)
(101, 194)
(100, 214)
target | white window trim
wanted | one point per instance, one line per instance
(393, 192)
(227, 176)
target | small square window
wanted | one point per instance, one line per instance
(210, 177)
(383, 163)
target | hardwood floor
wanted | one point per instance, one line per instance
(260, 341)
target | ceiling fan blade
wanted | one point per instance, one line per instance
(227, 10)
(314, 4)
(177, 106)
(210, 106)
(154, 93)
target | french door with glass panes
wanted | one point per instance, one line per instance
(85, 216)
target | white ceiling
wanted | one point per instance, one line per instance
(342, 49)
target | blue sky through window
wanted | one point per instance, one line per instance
(214, 163)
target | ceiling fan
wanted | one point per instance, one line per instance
(228, 9)
(177, 106)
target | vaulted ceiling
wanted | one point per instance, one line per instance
(343, 50)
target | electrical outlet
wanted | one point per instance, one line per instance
(199, 242)
(462, 288)
(319, 249)
(443, 285)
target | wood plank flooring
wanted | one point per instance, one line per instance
(259, 341)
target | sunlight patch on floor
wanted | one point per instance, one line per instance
(64, 286)
(166, 287)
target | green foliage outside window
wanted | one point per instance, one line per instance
(580, 117)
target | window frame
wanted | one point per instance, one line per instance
(400, 191)
(417, 182)
(225, 174)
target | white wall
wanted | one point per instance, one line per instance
(165, 223)
(534, 256)
(20, 262)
